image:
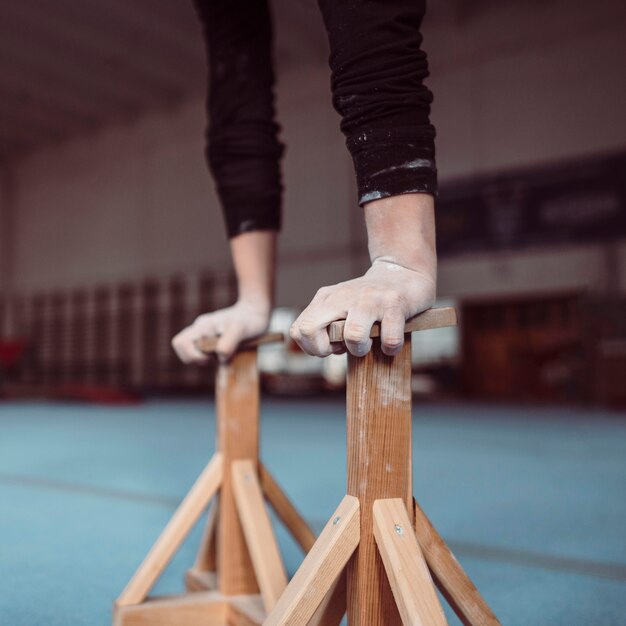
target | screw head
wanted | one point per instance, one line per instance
(336, 520)
(399, 530)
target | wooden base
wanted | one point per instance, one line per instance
(410, 569)
(238, 575)
(206, 605)
(200, 609)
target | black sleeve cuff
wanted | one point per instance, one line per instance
(390, 163)
(251, 214)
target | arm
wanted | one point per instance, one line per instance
(254, 259)
(243, 153)
(378, 69)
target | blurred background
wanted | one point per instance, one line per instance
(111, 240)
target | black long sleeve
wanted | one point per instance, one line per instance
(243, 150)
(378, 69)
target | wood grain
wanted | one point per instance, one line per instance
(206, 560)
(246, 611)
(320, 568)
(208, 345)
(406, 568)
(257, 529)
(454, 584)
(431, 318)
(286, 511)
(198, 609)
(200, 581)
(174, 533)
(379, 449)
(237, 398)
(332, 609)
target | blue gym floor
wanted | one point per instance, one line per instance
(533, 501)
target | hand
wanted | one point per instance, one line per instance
(243, 320)
(388, 293)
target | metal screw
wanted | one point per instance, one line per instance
(248, 478)
(336, 520)
(399, 530)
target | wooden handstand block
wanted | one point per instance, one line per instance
(209, 344)
(431, 318)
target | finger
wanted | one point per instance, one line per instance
(310, 332)
(229, 341)
(392, 331)
(184, 346)
(356, 332)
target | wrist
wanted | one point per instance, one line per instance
(401, 230)
(260, 303)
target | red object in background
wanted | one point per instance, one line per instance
(11, 352)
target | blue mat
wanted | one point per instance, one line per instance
(532, 500)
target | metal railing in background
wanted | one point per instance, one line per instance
(115, 335)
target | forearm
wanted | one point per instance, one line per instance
(401, 230)
(254, 257)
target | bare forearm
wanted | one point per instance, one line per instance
(254, 257)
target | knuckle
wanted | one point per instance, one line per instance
(394, 299)
(307, 328)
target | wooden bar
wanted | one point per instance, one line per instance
(379, 449)
(237, 397)
(209, 344)
(431, 318)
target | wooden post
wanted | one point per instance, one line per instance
(379, 452)
(237, 396)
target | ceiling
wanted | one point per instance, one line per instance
(71, 66)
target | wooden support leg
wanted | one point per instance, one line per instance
(286, 511)
(320, 568)
(206, 560)
(174, 533)
(333, 607)
(379, 449)
(257, 528)
(202, 576)
(406, 568)
(452, 581)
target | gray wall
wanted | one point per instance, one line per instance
(518, 84)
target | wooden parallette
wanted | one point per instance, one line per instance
(389, 554)
(431, 318)
(208, 345)
(238, 575)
